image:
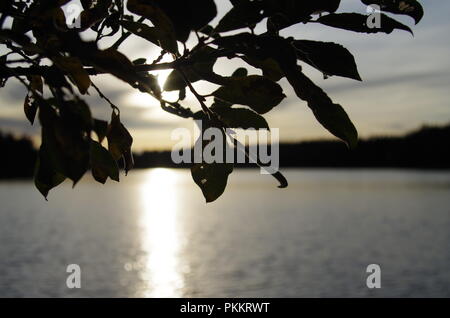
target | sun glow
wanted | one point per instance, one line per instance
(160, 235)
(162, 77)
(145, 100)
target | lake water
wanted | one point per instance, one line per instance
(152, 235)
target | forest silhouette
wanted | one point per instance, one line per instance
(426, 148)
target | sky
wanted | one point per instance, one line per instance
(406, 84)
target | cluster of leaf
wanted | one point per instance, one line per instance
(72, 139)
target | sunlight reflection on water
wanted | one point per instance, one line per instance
(160, 235)
(153, 236)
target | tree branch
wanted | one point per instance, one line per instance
(42, 70)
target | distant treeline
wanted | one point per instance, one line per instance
(428, 148)
(17, 157)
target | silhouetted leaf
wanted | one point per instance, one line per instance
(158, 17)
(45, 176)
(74, 68)
(211, 178)
(240, 118)
(120, 141)
(332, 116)
(21, 39)
(115, 63)
(300, 8)
(211, 175)
(218, 103)
(243, 14)
(188, 15)
(20, 25)
(408, 7)
(55, 78)
(358, 23)
(152, 34)
(175, 80)
(112, 22)
(281, 13)
(95, 11)
(209, 31)
(281, 179)
(259, 93)
(140, 61)
(65, 136)
(87, 4)
(101, 129)
(329, 58)
(269, 67)
(182, 94)
(102, 164)
(270, 53)
(31, 105)
(149, 81)
(202, 63)
(284, 13)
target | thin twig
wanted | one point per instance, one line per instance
(199, 97)
(18, 51)
(159, 58)
(114, 107)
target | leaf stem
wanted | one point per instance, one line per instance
(199, 97)
(113, 106)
